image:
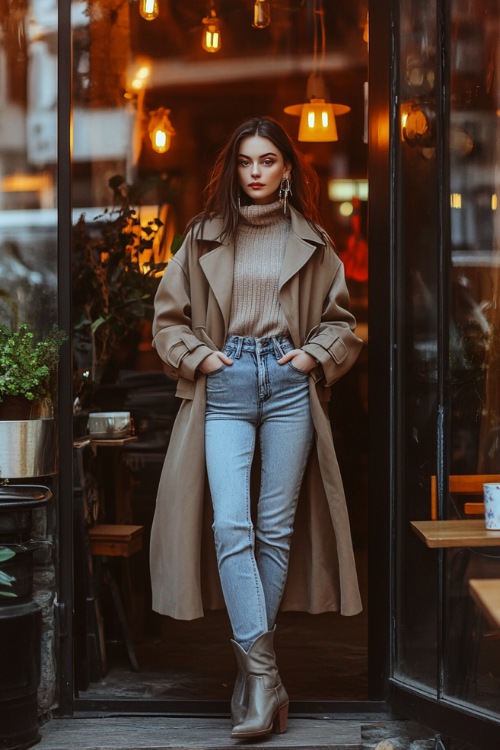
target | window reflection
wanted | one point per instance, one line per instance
(474, 326)
(28, 147)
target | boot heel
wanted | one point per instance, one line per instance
(281, 720)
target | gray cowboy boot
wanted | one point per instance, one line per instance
(239, 700)
(266, 699)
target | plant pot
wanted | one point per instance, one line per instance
(18, 407)
(20, 620)
(27, 448)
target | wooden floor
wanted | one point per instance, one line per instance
(321, 657)
(156, 733)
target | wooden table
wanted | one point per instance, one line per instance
(110, 442)
(486, 594)
(456, 533)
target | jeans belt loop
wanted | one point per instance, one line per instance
(278, 350)
(239, 347)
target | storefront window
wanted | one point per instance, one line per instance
(28, 155)
(474, 375)
(448, 366)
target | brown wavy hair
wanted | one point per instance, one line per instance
(223, 188)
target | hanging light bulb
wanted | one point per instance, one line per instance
(149, 9)
(317, 114)
(261, 14)
(211, 36)
(160, 130)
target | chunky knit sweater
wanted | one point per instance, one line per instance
(259, 249)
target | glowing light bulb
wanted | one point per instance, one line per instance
(317, 122)
(160, 130)
(149, 9)
(211, 36)
(261, 14)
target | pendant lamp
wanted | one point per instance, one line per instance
(318, 113)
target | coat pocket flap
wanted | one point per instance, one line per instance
(180, 348)
(336, 347)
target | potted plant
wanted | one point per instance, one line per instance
(6, 579)
(27, 378)
(27, 372)
(116, 272)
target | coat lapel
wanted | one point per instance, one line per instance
(302, 243)
(218, 266)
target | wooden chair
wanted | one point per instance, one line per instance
(463, 484)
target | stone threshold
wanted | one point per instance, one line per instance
(207, 733)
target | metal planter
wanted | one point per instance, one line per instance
(27, 448)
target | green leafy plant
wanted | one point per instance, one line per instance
(6, 580)
(27, 367)
(114, 278)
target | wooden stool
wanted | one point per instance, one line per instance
(115, 540)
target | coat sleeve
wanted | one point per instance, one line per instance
(173, 337)
(333, 343)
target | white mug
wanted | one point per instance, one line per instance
(491, 492)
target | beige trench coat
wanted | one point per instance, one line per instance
(192, 308)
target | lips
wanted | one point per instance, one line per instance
(256, 184)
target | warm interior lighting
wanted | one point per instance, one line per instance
(347, 190)
(494, 202)
(366, 28)
(141, 76)
(317, 122)
(317, 114)
(261, 14)
(160, 130)
(456, 200)
(417, 126)
(149, 9)
(211, 36)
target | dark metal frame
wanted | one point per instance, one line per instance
(65, 405)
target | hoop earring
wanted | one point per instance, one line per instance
(285, 191)
(238, 200)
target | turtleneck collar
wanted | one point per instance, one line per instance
(262, 214)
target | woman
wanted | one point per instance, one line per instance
(251, 315)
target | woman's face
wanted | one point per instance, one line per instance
(261, 168)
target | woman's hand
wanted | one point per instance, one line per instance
(301, 360)
(213, 362)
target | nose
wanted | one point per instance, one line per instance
(255, 169)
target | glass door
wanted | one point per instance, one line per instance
(157, 87)
(446, 145)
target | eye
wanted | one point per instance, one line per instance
(268, 162)
(243, 163)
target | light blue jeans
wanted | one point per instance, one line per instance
(255, 396)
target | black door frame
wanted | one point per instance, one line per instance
(381, 243)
